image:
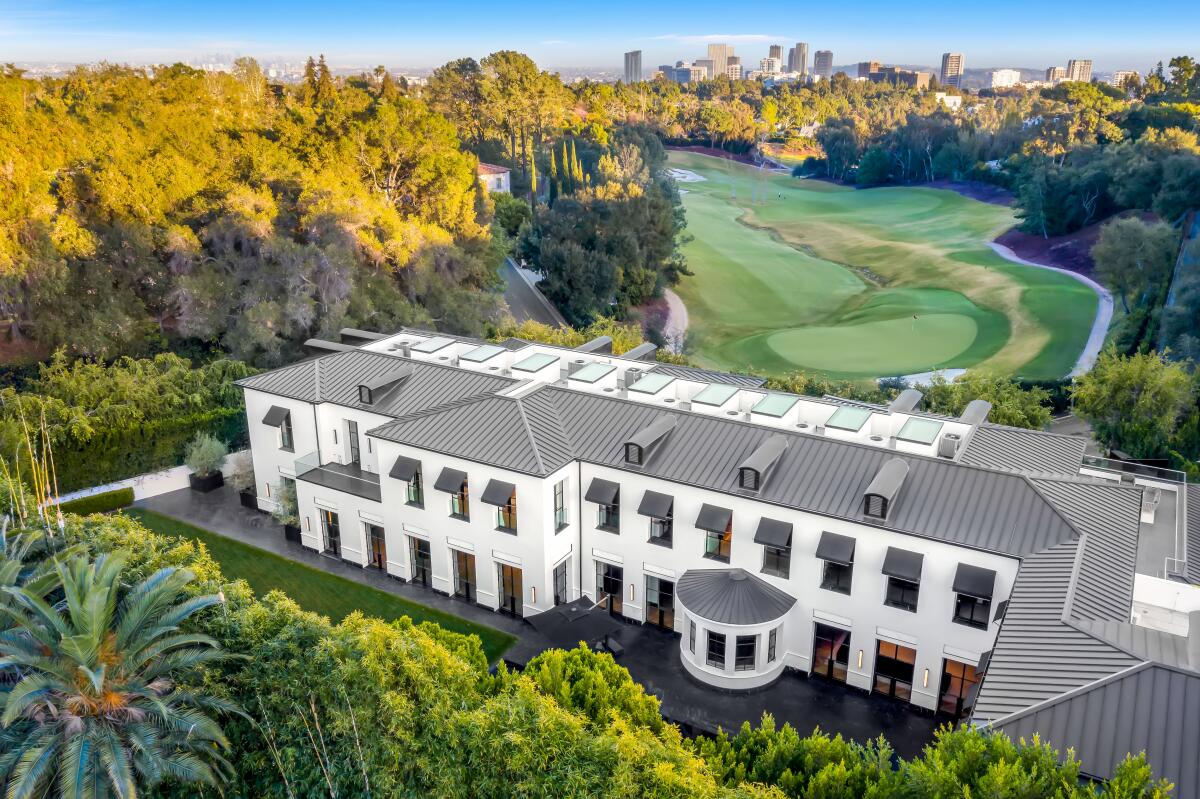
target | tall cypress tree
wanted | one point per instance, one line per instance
(310, 79)
(325, 91)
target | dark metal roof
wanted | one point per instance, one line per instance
(498, 492)
(836, 548)
(602, 492)
(714, 518)
(652, 433)
(450, 480)
(974, 581)
(275, 416)
(656, 505)
(888, 480)
(765, 455)
(598, 344)
(405, 469)
(642, 352)
(1147, 707)
(976, 412)
(773, 533)
(906, 401)
(1013, 449)
(903, 564)
(708, 376)
(731, 596)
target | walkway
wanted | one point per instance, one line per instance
(525, 301)
(651, 655)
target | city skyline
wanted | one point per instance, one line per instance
(414, 35)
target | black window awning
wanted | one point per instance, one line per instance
(773, 533)
(498, 492)
(602, 492)
(450, 480)
(974, 581)
(984, 660)
(276, 416)
(903, 564)
(405, 469)
(656, 505)
(836, 548)
(1001, 609)
(714, 518)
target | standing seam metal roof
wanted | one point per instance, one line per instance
(1013, 449)
(731, 596)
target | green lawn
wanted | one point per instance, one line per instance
(312, 589)
(803, 274)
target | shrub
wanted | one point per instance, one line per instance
(286, 511)
(205, 454)
(241, 474)
(99, 503)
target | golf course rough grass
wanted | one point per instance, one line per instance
(801, 274)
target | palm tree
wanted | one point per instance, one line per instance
(90, 703)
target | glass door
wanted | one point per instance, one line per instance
(510, 590)
(831, 652)
(378, 547)
(422, 561)
(560, 583)
(332, 532)
(959, 683)
(464, 575)
(609, 581)
(894, 666)
(660, 603)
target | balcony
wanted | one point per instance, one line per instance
(349, 478)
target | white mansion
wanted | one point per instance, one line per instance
(969, 568)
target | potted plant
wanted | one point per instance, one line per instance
(287, 511)
(241, 477)
(204, 457)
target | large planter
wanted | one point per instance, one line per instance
(249, 499)
(208, 482)
(291, 532)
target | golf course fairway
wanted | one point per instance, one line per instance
(800, 274)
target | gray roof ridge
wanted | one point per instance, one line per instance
(1057, 510)
(1068, 609)
(461, 402)
(537, 454)
(1083, 625)
(1050, 433)
(1078, 691)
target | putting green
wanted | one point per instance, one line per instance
(794, 274)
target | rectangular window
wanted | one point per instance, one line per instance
(560, 583)
(464, 574)
(460, 503)
(691, 636)
(661, 531)
(745, 652)
(777, 561)
(959, 681)
(972, 611)
(902, 594)
(610, 584)
(715, 656)
(716, 545)
(506, 516)
(772, 641)
(331, 530)
(414, 492)
(286, 438)
(560, 505)
(894, 667)
(837, 577)
(609, 518)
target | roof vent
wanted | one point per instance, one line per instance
(638, 445)
(976, 412)
(371, 390)
(753, 471)
(881, 493)
(642, 352)
(906, 401)
(600, 344)
(948, 445)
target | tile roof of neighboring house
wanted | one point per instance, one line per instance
(1014, 449)
(1145, 707)
(491, 169)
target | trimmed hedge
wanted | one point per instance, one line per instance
(152, 447)
(99, 503)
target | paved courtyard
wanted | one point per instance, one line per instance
(651, 655)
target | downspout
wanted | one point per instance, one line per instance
(579, 519)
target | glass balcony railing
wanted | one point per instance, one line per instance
(348, 477)
(1135, 469)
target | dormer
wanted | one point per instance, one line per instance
(882, 492)
(753, 471)
(639, 445)
(371, 390)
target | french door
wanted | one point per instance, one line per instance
(331, 531)
(831, 653)
(377, 547)
(660, 603)
(894, 667)
(464, 575)
(422, 561)
(510, 590)
(609, 581)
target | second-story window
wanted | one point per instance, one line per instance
(902, 594)
(972, 611)
(506, 515)
(661, 531)
(837, 577)
(460, 502)
(717, 543)
(607, 496)
(560, 505)
(286, 438)
(777, 561)
(608, 517)
(414, 492)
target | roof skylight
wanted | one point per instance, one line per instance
(849, 417)
(535, 362)
(652, 383)
(433, 344)
(592, 372)
(920, 431)
(480, 354)
(715, 394)
(775, 404)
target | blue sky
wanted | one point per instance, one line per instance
(1117, 35)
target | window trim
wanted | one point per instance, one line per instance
(724, 542)
(739, 660)
(977, 603)
(667, 540)
(560, 506)
(902, 586)
(708, 649)
(834, 585)
(772, 644)
(786, 572)
(287, 435)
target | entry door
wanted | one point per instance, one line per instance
(464, 575)
(560, 583)
(660, 603)
(959, 682)
(831, 652)
(511, 590)
(894, 666)
(352, 438)
(422, 562)
(610, 580)
(332, 532)
(378, 547)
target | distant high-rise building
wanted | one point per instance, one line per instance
(823, 64)
(1124, 76)
(775, 51)
(865, 68)
(707, 64)
(719, 54)
(952, 69)
(1080, 69)
(1056, 74)
(798, 58)
(684, 72)
(633, 66)
(1004, 78)
(769, 67)
(733, 67)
